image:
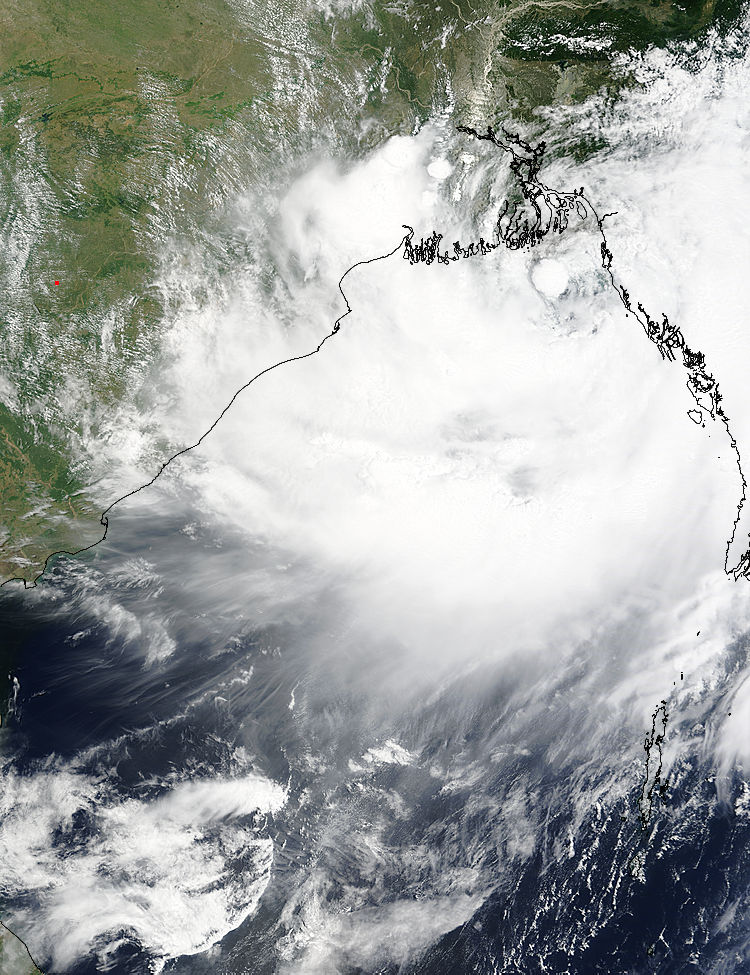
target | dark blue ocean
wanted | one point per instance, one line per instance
(194, 783)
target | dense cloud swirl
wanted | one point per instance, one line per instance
(422, 591)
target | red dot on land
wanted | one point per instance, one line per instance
(57, 282)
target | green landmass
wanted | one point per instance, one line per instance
(127, 126)
(14, 958)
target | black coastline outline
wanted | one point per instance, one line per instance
(28, 952)
(550, 211)
(653, 784)
(544, 210)
(104, 519)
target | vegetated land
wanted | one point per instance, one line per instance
(126, 126)
(14, 958)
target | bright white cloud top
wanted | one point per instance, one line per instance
(468, 548)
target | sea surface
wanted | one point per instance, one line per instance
(426, 659)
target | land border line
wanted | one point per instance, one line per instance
(514, 230)
(104, 519)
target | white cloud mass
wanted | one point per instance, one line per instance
(486, 475)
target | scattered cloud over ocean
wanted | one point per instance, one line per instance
(161, 871)
(488, 471)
